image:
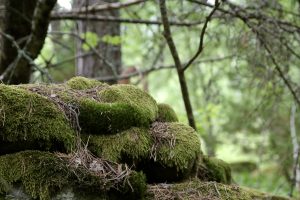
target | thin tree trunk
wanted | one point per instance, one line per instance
(110, 61)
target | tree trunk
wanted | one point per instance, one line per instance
(106, 60)
(15, 20)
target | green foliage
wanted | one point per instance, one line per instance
(113, 40)
(91, 40)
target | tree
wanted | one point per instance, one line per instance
(102, 39)
(24, 27)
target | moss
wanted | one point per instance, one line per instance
(103, 110)
(166, 113)
(213, 169)
(43, 174)
(145, 107)
(28, 120)
(81, 83)
(197, 190)
(132, 144)
(38, 172)
(186, 150)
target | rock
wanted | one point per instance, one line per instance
(44, 175)
(213, 169)
(30, 121)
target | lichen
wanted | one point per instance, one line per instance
(166, 113)
(33, 121)
(214, 169)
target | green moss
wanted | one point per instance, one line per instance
(38, 172)
(31, 120)
(104, 110)
(145, 106)
(133, 144)
(81, 83)
(197, 190)
(213, 169)
(43, 174)
(186, 150)
(166, 113)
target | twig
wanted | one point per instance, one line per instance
(119, 20)
(200, 47)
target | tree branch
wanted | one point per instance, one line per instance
(118, 20)
(180, 72)
(200, 47)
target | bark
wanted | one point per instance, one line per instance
(15, 20)
(32, 23)
(109, 61)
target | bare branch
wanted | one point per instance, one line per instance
(200, 48)
(118, 20)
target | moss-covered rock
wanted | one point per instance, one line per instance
(166, 113)
(102, 109)
(175, 154)
(213, 169)
(42, 175)
(30, 121)
(82, 83)
(166, 152)
(132, 145)
(198, 190)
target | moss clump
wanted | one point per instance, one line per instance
(81, 83)
(28, 120)
(43, 174)
(166, 113)
(132, 144)
(175, 153)
(197, 190)
(213, 169)
(186, 150)
(102, 109)
(153, 154)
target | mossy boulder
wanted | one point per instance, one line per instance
(166, 152)
(102, 109)
(166, 113)
(214, 169)
(42, 175)
(120, 107)
(30, 121)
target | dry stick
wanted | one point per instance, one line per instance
(119, 20)
(200, 48)
(180, 72)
